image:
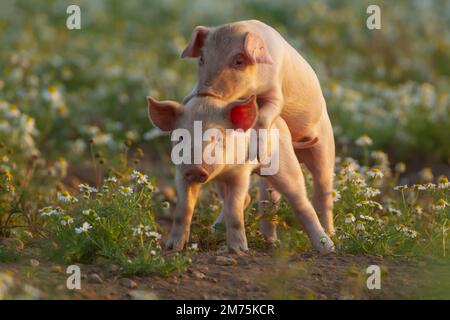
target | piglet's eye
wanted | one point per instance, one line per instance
(201, 61)
(238, 61)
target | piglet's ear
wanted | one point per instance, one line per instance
(163, 114)
(255, 49)
(243, 113)
(194, 47)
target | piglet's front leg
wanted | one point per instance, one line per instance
(235, 200)
(187, 197)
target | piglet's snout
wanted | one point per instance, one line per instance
(196, 174)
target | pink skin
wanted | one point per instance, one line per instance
(232, 179)
(243, 58)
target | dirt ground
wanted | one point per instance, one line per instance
(219, 275)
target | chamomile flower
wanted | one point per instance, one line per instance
(443, 183)
(126, 191)
(370, 203)
(336, 195)
(369, 192)
(138, 230)
(359, 182)
(418, 209)
(66, 220)
(360, 226)
(49, 211)
(111, 179)
(66, 197)
(364, 141)
(139, 177)
(441, 204)
(401, 187)
(406, 231)
(368, 218)
(86, 188)
(84, 228)
(349, 218)
(397, 212)
(153, 234)
(375, 173)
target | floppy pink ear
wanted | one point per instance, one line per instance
(163, 114)
(243, 113)
(255, 49)
(194, 47)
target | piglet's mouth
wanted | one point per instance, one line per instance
(209, 94)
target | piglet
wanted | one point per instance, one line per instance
(243, 58)
(215, 120)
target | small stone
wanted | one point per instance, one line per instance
(225, 261)
(57, 269)
(142, 295)
(128, 283)
(198, 275)
(203, 268)
(12, 244)
(34, 263)
(95, 278)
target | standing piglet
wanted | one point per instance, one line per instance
(243, 58)
(212, 125)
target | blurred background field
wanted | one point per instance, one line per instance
(73, 108)
(391, 84)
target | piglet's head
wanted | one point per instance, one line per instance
(200, 132)
(228, 60)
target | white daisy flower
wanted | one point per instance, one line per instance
(443, 183)
(139, 177)
(84, 228)
(441, 204)
(111, 179)
(66, 197)
(336, 195)
(126, 191)
(395, 211)
(375, 173)
(364, 141)
(86, 188)
(369, 218)
(370, 192)
(349, 218)
(153, 234)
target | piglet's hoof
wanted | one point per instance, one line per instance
(238, 251)
(325, 245)
(176, 243)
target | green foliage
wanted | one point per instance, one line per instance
(115, 223)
